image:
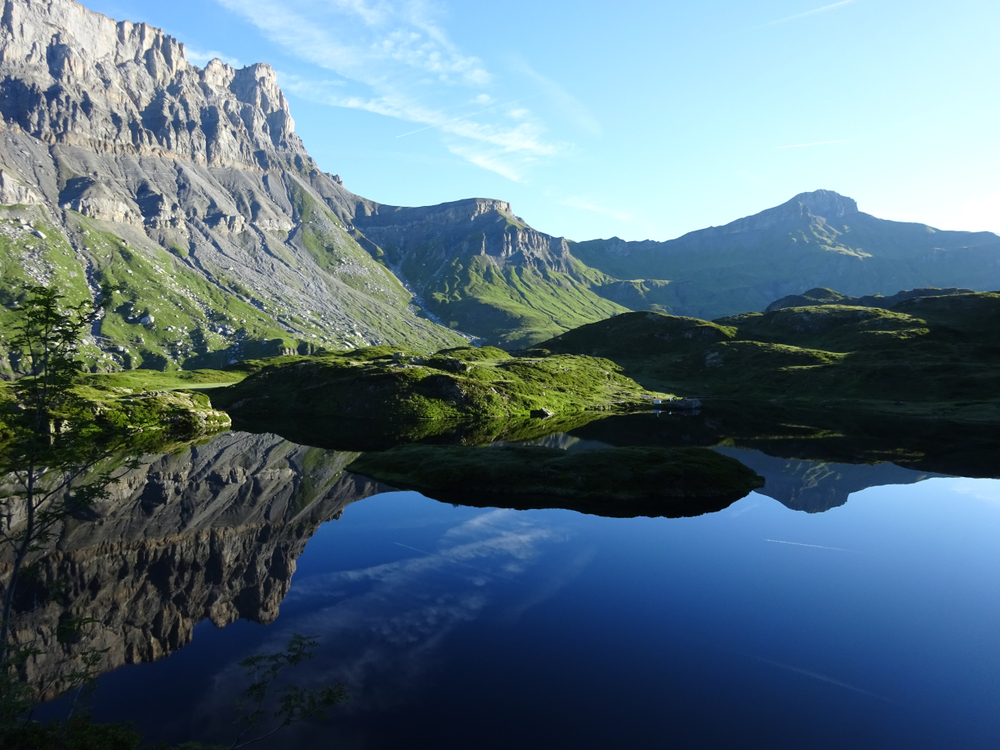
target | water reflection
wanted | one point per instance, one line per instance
(212, 533)
(924, 445)
(818, 486)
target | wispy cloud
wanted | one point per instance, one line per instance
(488, 161)
(816, 143)
(806, 14)
(362, 39)
(394, 58)
(586, 205)
(566, 102)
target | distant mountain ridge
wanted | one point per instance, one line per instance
(817, 239)
(122, 162)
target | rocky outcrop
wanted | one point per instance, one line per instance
(476, 226)
(76, 77)
(14, 192)
(211, 533)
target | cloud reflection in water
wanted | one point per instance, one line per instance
(382, 627)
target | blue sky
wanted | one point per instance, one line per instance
(636, 119)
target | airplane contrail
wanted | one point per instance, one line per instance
(812, 12)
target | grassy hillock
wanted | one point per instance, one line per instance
(619, 482)
(824, 296)
(360, 434)
(386, 384)
(155, 418)
(928, 355)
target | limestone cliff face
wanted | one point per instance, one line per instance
(212, 533)
(76, 77)
(476, 226)
(187, 184)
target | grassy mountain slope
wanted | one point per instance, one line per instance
(169, 315)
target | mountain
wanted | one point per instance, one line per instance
(816, 486)
(817, 239)
(122, 162)
(479, 268)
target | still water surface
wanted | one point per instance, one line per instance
(873, 624)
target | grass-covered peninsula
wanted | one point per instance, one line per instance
(387, 384)
(620, 482)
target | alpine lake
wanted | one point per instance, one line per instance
(852, 600)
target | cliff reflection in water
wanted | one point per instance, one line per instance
(212, 532)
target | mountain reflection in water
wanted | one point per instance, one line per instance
(210, 533)
(214, 533)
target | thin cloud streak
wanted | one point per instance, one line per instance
(823, 678)
(817, 143)
(813, 12)
(585, 205)
(816, 546)
(567, 102)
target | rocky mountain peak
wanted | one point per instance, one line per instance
(77, 77)
(825, 203)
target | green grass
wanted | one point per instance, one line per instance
(151, 380)
(931, 355)
(160, 420)
(385, 384)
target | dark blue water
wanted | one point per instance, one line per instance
(874, 624)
